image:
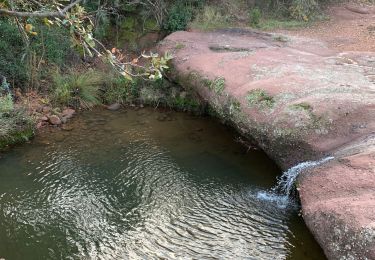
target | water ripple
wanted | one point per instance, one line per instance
(129, 195)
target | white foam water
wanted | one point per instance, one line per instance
(282, 193)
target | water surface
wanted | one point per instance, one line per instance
(144, 184)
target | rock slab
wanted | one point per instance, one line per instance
(298, 100)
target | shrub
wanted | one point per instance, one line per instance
(77, 89)
(254, 17)
(6, 103)
(15, 127)
(102, 24)
(303, 9)
(21, 65)
(12, 60)
(118, 90)
(178, 18)
(53, 45)
(210, 18)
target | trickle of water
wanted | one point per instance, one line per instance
(286, 181)
(284, 188)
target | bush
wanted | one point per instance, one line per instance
(15, 127)
(303, 10)
(21, 65)
(178, 18)
(77, 89)
(12, 60)
(210, 18)
(6, 103)
(118, 90)
(53, 45)
(254, 17)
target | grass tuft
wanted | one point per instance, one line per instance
(77, 89)
(260, 98)
(210, 18)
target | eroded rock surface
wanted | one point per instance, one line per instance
(298, 100)
(339, 202)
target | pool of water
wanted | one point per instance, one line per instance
(144, 184)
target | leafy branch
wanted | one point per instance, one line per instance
(80, 25)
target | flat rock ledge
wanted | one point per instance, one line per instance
(298, 100)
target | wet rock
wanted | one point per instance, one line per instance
(68, 113)
(114, 107)
(39, 125)
(67, 128)
(64, 120)
(59, 138)
(165, 117)
(54, 120)
(194, 137)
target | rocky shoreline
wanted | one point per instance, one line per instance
(298, 100)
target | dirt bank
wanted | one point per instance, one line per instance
(349, 27)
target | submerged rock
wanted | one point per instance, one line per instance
(114, 107)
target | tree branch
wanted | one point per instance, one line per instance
(60, 13)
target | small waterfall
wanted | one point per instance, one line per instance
(285, 183)
(284, 188)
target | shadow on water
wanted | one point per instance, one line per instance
(144, 185)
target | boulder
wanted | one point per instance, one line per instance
(54, 120)
(68, 113)
(39, 125)
(296, 97)
(338, 203)
(64, 120)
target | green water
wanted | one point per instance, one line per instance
(144, 185)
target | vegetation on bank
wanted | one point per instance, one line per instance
(15, 125)
(57, 62)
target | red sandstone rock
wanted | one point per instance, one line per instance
(68, 113)
(299, 100)
(314, 99)
(54, 120)
(338, 201)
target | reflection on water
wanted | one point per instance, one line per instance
(144, 185)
